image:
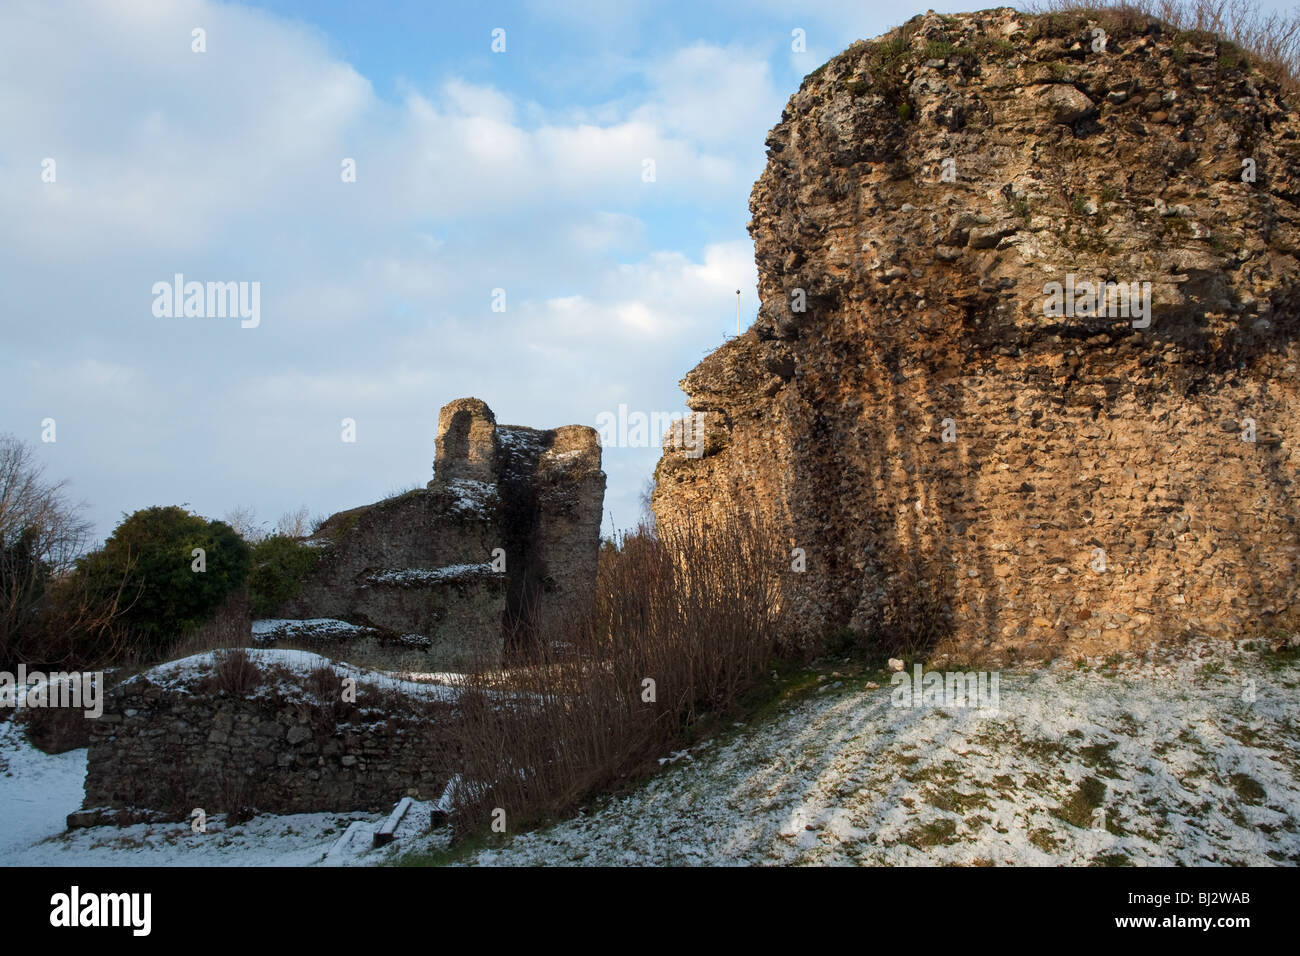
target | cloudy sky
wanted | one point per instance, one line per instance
(476, 170)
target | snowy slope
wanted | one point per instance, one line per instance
(1183, 766)
(37, 791)
(1184, 773)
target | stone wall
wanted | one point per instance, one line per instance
(570, 494)
(1095, 493)
(172, 740)
(503, 539)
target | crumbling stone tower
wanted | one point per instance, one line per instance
(499, 549)
(944, 445)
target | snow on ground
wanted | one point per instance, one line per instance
(1183, 773)
(518, 438)
(1184, 766)
(274, 629)
(412, 577)
(187, 670)
(37, 791)
(319, 629)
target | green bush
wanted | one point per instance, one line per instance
(153, 551)
(279, 565)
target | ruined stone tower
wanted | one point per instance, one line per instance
(929, 429)
(500, 548)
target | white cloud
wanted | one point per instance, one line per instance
(659, 300)
(375, 295)
(720, 97)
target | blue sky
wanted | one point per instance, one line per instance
(476, 170)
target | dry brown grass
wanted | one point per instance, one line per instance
(233, 671)
(694, 609)
(56, 730)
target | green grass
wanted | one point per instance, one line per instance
(943, 50)
(1232, 57)
(937, 50)
(455, 853)
(998, 49)
(772, 697)
(1174, 227)
(954, 801)
(1281, 660)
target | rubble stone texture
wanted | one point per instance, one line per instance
(1098, 494)
(423, 569)
(164, 747)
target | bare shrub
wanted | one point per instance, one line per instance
(685, 619)
(324, 684)
(323, 704)
(56, 730)
(230, 626)
(320, 703)
(234, 671)
(29, 502)
(80, 625)
(295, 524)
(244, 520)
(237, 797)
(42, 532)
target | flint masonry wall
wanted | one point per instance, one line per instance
(423, 571)
(1078, 439)
(166, 745)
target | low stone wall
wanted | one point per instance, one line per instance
(182, 736)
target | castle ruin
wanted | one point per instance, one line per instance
(500, 546)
